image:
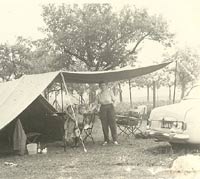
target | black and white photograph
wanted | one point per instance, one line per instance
(99, 89)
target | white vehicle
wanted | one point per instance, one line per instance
(178, 123)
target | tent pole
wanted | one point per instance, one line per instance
(55, 100)
(154, 94)
(131, 103)
(61, 90)
(65, 86)
(175, 74)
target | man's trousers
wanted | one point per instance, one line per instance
(107, 116)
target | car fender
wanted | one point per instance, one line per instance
(192, 120)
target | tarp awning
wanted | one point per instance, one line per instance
(109, 76)
(17, 95)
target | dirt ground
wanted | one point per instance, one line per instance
(133, 158)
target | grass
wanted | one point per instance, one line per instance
(131, 159)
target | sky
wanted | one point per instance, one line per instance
(23, 18)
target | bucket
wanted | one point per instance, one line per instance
(32, 148)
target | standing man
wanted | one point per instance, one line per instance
(107, 113)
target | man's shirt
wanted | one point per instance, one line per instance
(106, 97)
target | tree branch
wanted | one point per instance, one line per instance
(137, 44)
(121, 37)
(109, 68)
(77, 56)
(97, 66)
(89, 53)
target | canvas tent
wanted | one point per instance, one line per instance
(16, 96)
(31, 109)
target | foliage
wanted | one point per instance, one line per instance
(97, 38)
(13, 61)
(41, 56)
(187, 68)
(142, 81)
(79, 38)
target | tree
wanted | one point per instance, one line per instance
(98, 38)
(40, 56)
(167, 79)
(187, 68)
(144, 81)
(13, 61)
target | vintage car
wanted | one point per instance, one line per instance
(177, 123)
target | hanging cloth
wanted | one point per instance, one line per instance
(19, 138)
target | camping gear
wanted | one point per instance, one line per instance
(32, 137)
(88, 123)
(17, 96)
(76, 121)
(39, 148)
(129, 124)
(44, 151)
(32, 148)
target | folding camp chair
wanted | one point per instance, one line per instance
(88, 122)
(129, 124)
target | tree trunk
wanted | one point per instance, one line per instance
(115, 91)
(147, 93)
(157, 96)
(120, 93)
(154, 94)
(92, 96)
(175, 74)
(170, 93)
(182, 90)
(131, 103)
(81, 99)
